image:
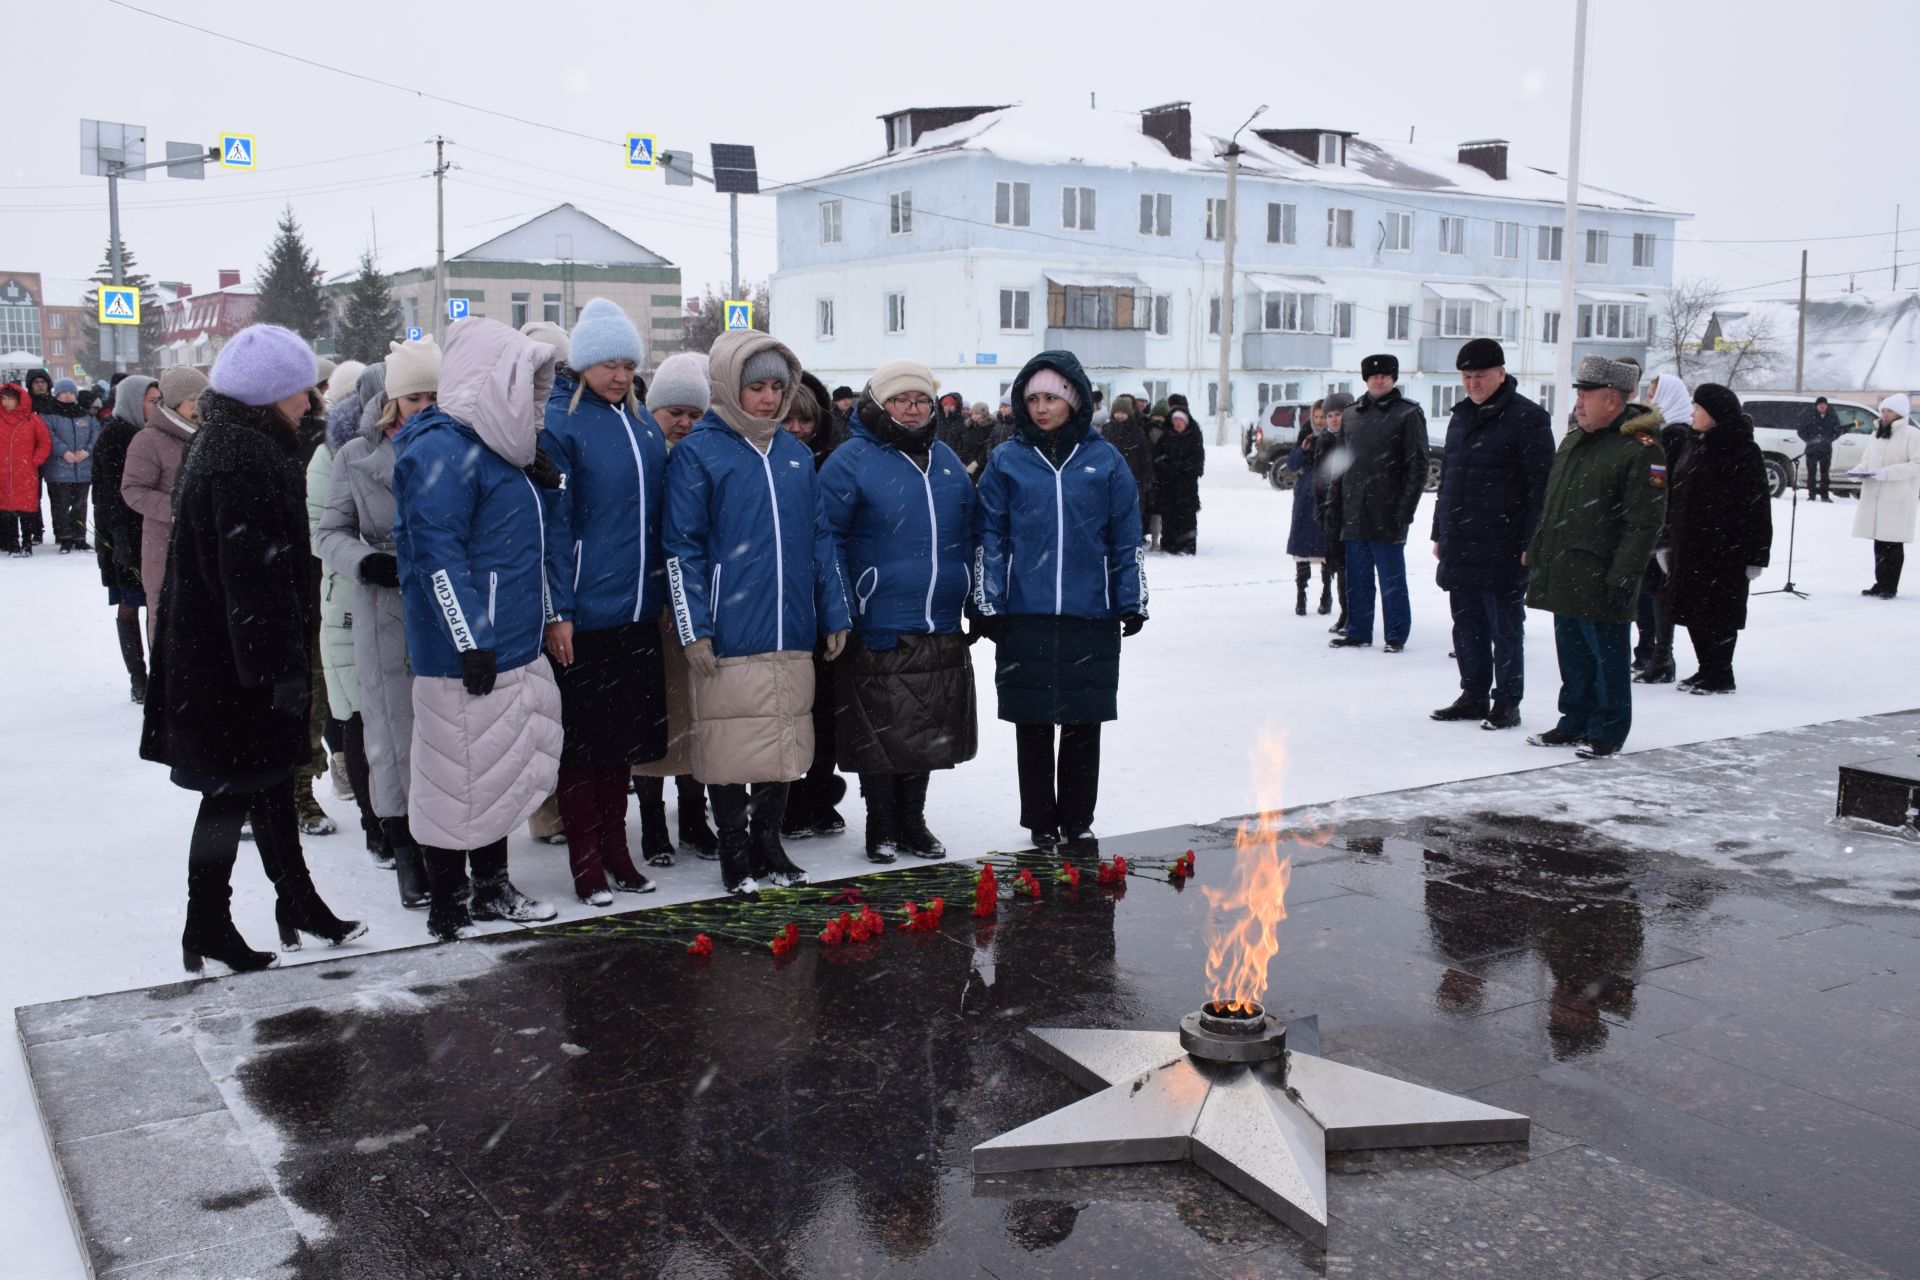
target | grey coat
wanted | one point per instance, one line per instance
(357, 522)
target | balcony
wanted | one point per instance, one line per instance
(1101, 348)
(1275, 350)
(1438, 355)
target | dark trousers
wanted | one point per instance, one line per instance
(1713, 646)
(353, 735)
(216, 835)
(69, 503)
(1489, 637)
(15, 533)
(1888, 559)
(1058, 794)
(593, 808)
(1180, 533)
(1596, 679)
(1365, 559)
(1819, 473)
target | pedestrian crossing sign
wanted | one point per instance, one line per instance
(739, 315)
(236, 151)
(119, 305)
(639, 151)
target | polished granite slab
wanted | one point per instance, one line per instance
(1722, 1066)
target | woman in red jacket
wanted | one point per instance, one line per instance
(24, 445)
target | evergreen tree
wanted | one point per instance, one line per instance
(705, 317)
(370, 319)
(289, 284)
(90, 357)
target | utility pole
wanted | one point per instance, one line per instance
(1800, 346)
(1569, 325)
(440, 228)
(1222, 400)
(733, 240)
(114, 260)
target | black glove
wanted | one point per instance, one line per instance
(1619, 599)
(991, 627)
(543, 473)
(1131, 624)
(290, 694)
(476, 671)
(380, 570)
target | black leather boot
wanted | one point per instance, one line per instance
(769, 808)
(494, 896)
(694, 831)
(1326, 590)
(449, 918)
(210, 933)
(1302, 579)
(133, 653)
(409, 865)
(877, 789)
(734, 841)
(911, 817)
(298, 907)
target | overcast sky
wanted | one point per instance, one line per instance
(1769, 121)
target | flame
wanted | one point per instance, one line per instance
(1243, 922)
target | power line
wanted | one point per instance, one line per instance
(201, 202)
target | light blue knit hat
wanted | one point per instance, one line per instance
(604, 333)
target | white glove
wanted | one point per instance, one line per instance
(1878, 473)
(1662, 557)
(1753, 572)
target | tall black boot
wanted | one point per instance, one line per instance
(210, 858)
(1302, 579)
(449, 918)
(694, 831)
(734, 841)
(1326, 588)
(769, 808)
(409, 864)
(877, 789)
(912, 816)
(656, 846)
(297, 907)
(133, 653)
(1659, 668)
(494, 896)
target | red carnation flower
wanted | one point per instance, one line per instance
(701, 945)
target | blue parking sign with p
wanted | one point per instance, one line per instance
(415, 333)
(456, 308)
(739, 316)
(639, 151)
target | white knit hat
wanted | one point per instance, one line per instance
(413, 367)
(1899, 403)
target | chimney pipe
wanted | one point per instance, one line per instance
(229, 277)
(1171, 125)
(1489, 155)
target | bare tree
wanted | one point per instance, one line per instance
(1755, 356)
(1690, 308)
(705, 317)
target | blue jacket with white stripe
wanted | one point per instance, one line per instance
(906, 537)
(605, 565)
(470, 535)
(1059, 539)
(750, 565)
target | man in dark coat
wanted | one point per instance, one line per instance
(1720, 524)
(1606, 497)
(1494, 478)
(1820, 428)
(1376, 496)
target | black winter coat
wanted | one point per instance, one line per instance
(1493, 481)
(1720, 517)
(1179, 460)
(1330, 458)
(1387, 469)
(1129, 436)
(238, 609)
(116, 526)
(907, 709)
(1820, 430)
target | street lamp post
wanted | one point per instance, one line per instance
(1223, 395)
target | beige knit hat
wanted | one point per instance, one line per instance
(898, 377)
(180, 384)
(413, 367)
(550, 333)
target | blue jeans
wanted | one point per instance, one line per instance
(1389, 559)
(1489, 637)
(1596, 685)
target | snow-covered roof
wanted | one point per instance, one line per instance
(1864, 340)
(1113, 139)
(564, 234)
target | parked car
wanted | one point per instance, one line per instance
(1266, 445)
(1776, 419)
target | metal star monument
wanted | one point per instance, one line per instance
(1226, 1093)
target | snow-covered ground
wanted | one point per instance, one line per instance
(95, 842)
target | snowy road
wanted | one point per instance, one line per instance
(95, 839)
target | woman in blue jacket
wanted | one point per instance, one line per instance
(607, 577)
(754, 579)
(901, 506)
(1060, 579)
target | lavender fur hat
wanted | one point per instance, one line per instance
(264, 364)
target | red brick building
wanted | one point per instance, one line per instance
(196, 325)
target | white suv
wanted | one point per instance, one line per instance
(1776, 419)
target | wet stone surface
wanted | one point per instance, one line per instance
(1723, 1070)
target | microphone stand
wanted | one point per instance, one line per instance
(1793, 523)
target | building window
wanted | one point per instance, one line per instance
(1340, 228)
(1506, 239)
(1076, 208)
(1626, 321)
(1162, 314)
(1341, 388)
(1596, 247)
(550, 308)
(900, 213)
(1272, 393)
(1282, 220)
(1012, 204)
(1399, 322)
(55, 320)
(1343, 319)
(1454, 319)
(1329, 148)
(1444, 398)
(1213, 398)
(823, 318)
(1642, 249)
(1510, 324)
(410, 310)
(519, 302)
(1550, 327)
(1075, 307)
(829, 222)
(1216, 218)
(1016, 310)
(1157, 390)
(1296, 313)
(1453, 235)
(58, 347)
(1546, 397)
(1213, 316)
(1552, 240)
(896, 313)
(1399, 233)
(1156, 213)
